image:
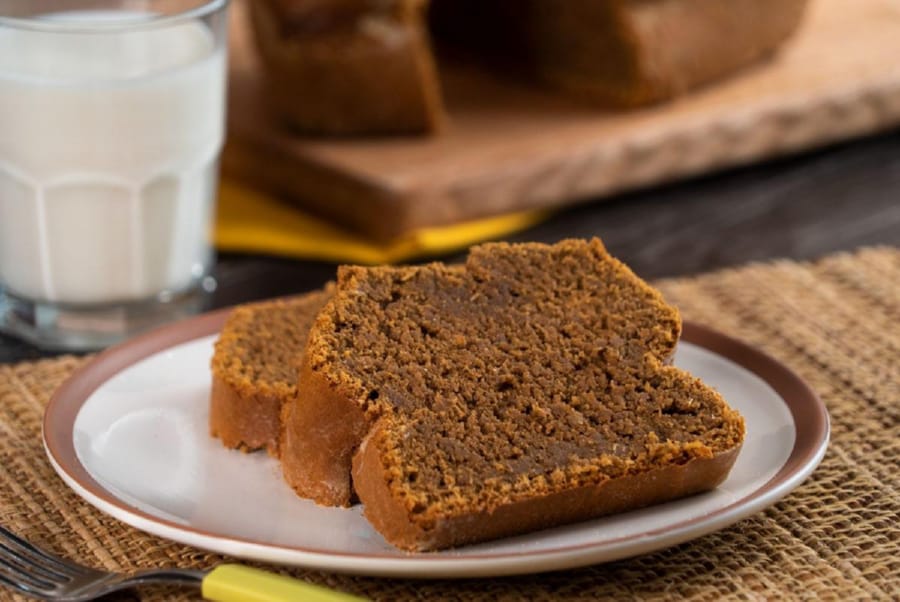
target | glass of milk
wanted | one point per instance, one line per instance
(111, 125)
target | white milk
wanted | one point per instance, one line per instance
(108, 160)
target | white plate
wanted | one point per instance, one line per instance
(129, 434)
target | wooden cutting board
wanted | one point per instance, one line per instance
(510, 147)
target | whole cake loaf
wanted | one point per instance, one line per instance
(364, 66)
(349, 66)
(254, 369)
(620, 52)
(528, 388)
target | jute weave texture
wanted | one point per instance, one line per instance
(836, 322)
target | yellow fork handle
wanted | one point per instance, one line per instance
(238, 583)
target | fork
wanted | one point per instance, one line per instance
(36, 572)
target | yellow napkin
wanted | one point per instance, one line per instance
(251, 222)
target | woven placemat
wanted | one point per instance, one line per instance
(836, 322)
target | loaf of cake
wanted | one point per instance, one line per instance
(349, 66)
(254, 369)
(361, 66)
(528, 388)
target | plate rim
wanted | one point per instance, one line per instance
(810, 416)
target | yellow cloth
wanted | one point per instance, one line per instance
(251, 222)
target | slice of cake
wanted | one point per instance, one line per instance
(525, 389)
(254, 369)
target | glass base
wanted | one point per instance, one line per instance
(63, 327)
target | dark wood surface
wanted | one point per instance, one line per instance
(839, 198)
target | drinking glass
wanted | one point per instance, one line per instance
(111, 125)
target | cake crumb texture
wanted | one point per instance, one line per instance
(530, 373)
(254, 369)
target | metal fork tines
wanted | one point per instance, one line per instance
(38, 573)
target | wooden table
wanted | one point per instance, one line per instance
(839, 198)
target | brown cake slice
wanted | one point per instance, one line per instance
(254, 369)
(525, 389)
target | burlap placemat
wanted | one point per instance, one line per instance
(836, 322)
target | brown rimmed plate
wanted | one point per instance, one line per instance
(128, 433)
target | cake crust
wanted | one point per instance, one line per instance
(320, 433)
(245, 420)
(392, 518)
